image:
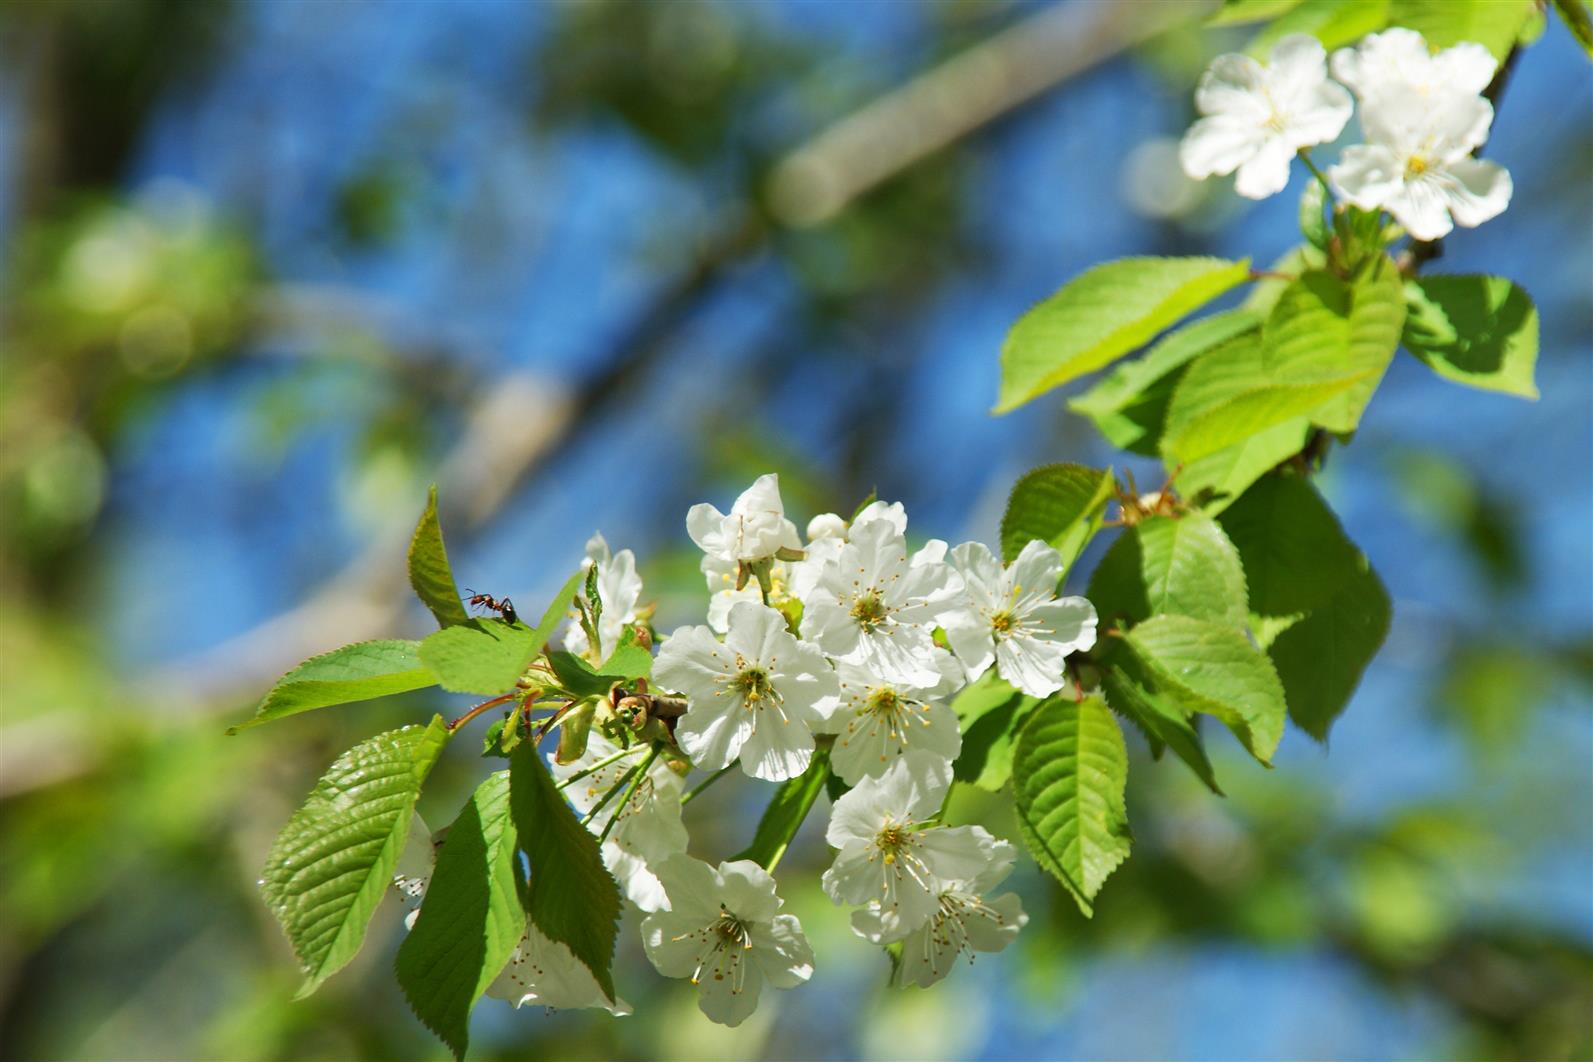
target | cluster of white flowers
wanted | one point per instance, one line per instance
(1422, 115)
(850, 641)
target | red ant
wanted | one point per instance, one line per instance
(504, 608)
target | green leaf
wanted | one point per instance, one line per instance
(1236, 12)
(1102, 314)
(480, 656)
(332, 863)
(1217, 480)
(1181, 565)
(1229, 395)
(579, 678)
(1061, 505)
(1264, 293)
(786, 811)
(1375, 313)
(1321, 658)
(1333, 22)
(1323, 349)
(1477, 330)
(629, 661)
(554, 614)
(1129, 405)
(429, 572)
(359, 672)
(1317, 606)
(1068, 778)
(1495, 24)
(572, 897)
(471, 919)
(488, 656)
(1136, 693)
(991, 713)
(1215, 670)
(1578, 18)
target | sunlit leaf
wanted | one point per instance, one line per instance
(1214, 670)
(1317, 606)
(1060, 505)
(572, 898)
(1477, 330)
(334, 860)
(991, 714)
(471, 918)
(429, 572)
(787, 809)
(1181, 565)
(484, 656)
(359, 672)
(1103, 314)
(1068, 778)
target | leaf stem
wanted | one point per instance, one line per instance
(1321, 177)
(598, 766)
(636, 775)
(809, 794)
(624, 780)
(482, 707)
(688, 797)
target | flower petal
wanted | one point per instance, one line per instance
(1033, 576)
(706, 526)
(1481, 190)
(747, 890)
(691, 661)
(783, 952)
(1367, 175)
(1466, 67)
(1422, 206)
(775, 748)
(1069, 621)
(1231, 86)
(1217, 146)
(1267, 171)
(712, 734)
(957, 853)
(730, 997)
(1032, 665)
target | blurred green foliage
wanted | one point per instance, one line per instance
(132, 833)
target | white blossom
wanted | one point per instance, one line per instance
(889, 860)
(1417, 163)
(547, 973)
(828, 533)
(964, 921)
(412, 873)
(723, 929)
(722, 577)
(619, 589)
(753, 530)
(1256, 117)
(752, 696)
(1397, 62)
(874, 608)
(1014, 619)
(648, 830)
(876, 720)
(826, 525)
(539, 970)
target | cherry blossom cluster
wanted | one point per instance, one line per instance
(844, 639)
(1422, 115)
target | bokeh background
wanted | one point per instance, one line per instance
(273, 267)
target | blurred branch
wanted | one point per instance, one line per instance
(523, 420)
(825, 175)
